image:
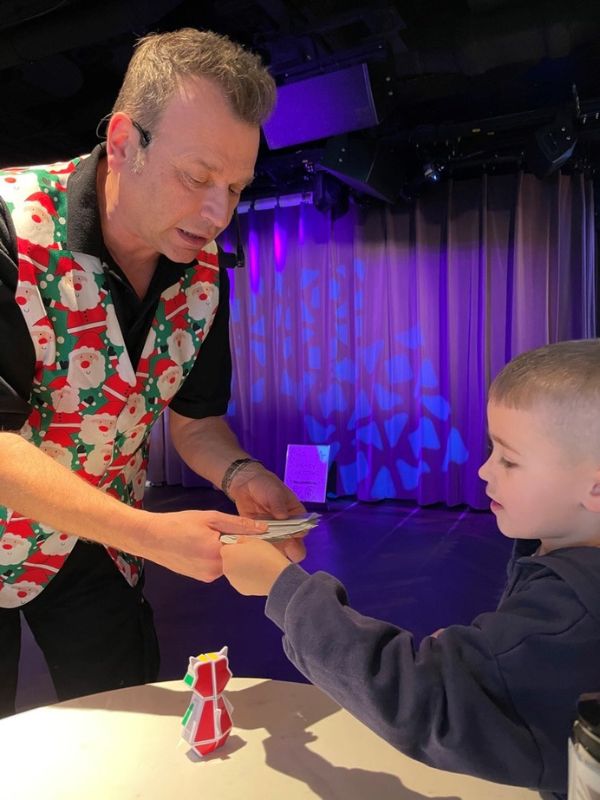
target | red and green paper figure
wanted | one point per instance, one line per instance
(207, 721)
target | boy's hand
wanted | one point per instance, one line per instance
(293, 549)
(252, 566)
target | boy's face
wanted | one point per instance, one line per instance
(538, 490)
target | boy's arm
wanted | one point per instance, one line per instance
(444, 704)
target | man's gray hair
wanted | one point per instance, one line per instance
(161, 61)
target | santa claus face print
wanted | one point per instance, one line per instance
(86, 368)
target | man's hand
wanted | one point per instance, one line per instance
(188, 541)
(252, 566)
(208, 446)
(260, 494)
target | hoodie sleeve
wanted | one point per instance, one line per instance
(443, 703)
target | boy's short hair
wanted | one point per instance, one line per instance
(161, 61)
(563, 380)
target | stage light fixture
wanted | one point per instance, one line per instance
(552, 146)
(329, 195)
(432, 173)
(367, 166)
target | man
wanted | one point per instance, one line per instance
(113, 307)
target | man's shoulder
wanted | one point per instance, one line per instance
(18, 184)
(35, 199)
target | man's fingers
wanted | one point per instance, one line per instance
(228, 523)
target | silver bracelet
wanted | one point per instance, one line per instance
(233, 469)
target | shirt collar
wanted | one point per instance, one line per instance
(84, 233)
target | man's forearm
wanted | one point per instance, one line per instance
(208, 446)
(36, 486)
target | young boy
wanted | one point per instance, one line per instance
(496, 698)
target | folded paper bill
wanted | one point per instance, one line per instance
(280, 528)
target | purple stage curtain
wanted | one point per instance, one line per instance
(378, 332)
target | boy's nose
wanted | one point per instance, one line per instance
(483, 471)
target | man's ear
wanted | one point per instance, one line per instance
(119, 140)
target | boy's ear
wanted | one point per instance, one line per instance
(593, 503)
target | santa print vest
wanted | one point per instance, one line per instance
(91, 411)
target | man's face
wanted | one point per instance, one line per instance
(535, 487)
(200, 158)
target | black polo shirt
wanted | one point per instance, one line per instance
(206, 390)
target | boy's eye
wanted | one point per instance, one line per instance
(506, 463)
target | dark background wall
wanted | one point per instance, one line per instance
(457, 85)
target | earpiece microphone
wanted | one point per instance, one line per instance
(235, 260)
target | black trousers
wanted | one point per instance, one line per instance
(96, 632)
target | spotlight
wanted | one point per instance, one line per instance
(424, 175)
(431, 172)
(552, 146)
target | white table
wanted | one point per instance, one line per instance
(289, 741)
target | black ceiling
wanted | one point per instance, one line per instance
(463, 83)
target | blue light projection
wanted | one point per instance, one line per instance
(411, 338)
(399, 369)
(343, 333)
(409, 474)
(455, 449)
(369, 434)
(286, 384)
(317, 431)
(383, 485)
(332, 399)
(343, 376)
(424, 437)
(258, 391)
(437, 405)
(428, 378)
(314, 357)
(344, 370)
(387, 400)
(394, 427)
